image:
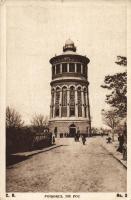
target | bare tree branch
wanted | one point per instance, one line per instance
(13, 118)
(39, 121)
(110, 118)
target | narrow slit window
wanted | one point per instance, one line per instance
(64, 67)
(57, 68)
(84, 69)
(71, 67)
(78, 68)
(53, 70)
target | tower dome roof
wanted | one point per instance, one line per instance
(69, 42)
(69, 46)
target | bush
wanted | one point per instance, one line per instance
(25, 139)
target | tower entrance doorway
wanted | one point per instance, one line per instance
(72, 130)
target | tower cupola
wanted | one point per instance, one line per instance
(69, 46)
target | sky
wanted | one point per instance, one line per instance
(36, 32)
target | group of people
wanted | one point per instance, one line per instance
(122, 146)
(77, 137)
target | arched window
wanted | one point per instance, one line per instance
(52, 102)
(85, 102)
(85, 111)
(52, 97)
(64, 96)
(72, 101)
(84, 95)
(79, 102)
(57, 102)
(64, 102)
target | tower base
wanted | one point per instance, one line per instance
(68, 128)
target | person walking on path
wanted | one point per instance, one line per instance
(77, 135)
(53, 138)
(83, 139)
(121, 142)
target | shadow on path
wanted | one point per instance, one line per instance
(12, 159)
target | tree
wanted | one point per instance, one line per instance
(117, 84)
(111, 119)
(13, 118)
(121, 60)
(39, 121)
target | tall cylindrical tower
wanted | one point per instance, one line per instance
(69, 109)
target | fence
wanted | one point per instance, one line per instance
(20, 139)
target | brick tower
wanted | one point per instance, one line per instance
(69, 109)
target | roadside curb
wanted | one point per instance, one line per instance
(29, 154)
(114, 156)
(46, 149)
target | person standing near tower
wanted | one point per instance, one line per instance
(83, 139)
